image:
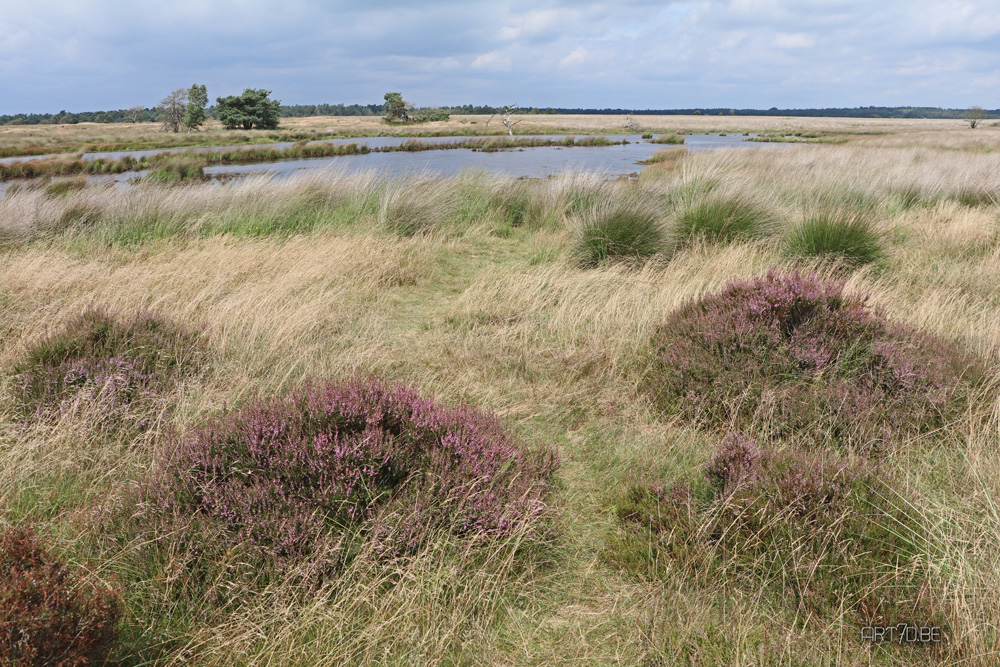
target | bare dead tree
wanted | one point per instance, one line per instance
(133, 113)
(505, 114)
(172, 108)
(975, 115)
(631, 125)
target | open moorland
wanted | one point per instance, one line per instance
(732, 411)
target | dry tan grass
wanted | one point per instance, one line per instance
(510, 324)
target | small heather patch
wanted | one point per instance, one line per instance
(791, 356)
(280, 477)
(820, 534)
(48, 616)
(121, 364)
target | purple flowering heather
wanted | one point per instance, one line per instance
(794, 356)
(123, 363)
(281, 475)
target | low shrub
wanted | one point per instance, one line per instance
(668, 139)
(721, 219)
(49, 615)
(122, 364)
(821, 535)
(618, 231)
(848, 237)
(280, 477)
(792, 356)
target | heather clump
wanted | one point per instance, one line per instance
(48, 614)
(360, 457)
(821, 536)
(119, 365)
(792, 356)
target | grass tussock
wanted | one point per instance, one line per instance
(845, 235)
(723, 219)
(624, 230)
(668, 139)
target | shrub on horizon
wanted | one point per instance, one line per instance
(281, 476)
(48, 616)
(122, 365)
(792, 356)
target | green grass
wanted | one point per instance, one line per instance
(846, 236)
(668, 139)
(723, 219)
(618, 232)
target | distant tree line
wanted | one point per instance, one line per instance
(150, 114)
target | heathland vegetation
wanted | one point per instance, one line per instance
(730, 412)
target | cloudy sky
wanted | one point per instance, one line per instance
(84, 55)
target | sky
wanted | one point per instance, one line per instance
(90, 55)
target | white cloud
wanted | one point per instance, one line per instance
(797, 40)
(492, 61)
(577, 56)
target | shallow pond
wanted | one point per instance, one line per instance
(539, 162)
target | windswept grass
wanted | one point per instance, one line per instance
(845, 235)
(619, 230)
(723, 219)
(666, 539)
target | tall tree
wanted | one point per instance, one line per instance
(397, 110)
(251, 110)
(194, 116)
(172, 108)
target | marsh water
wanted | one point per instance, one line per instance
(538, 162)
